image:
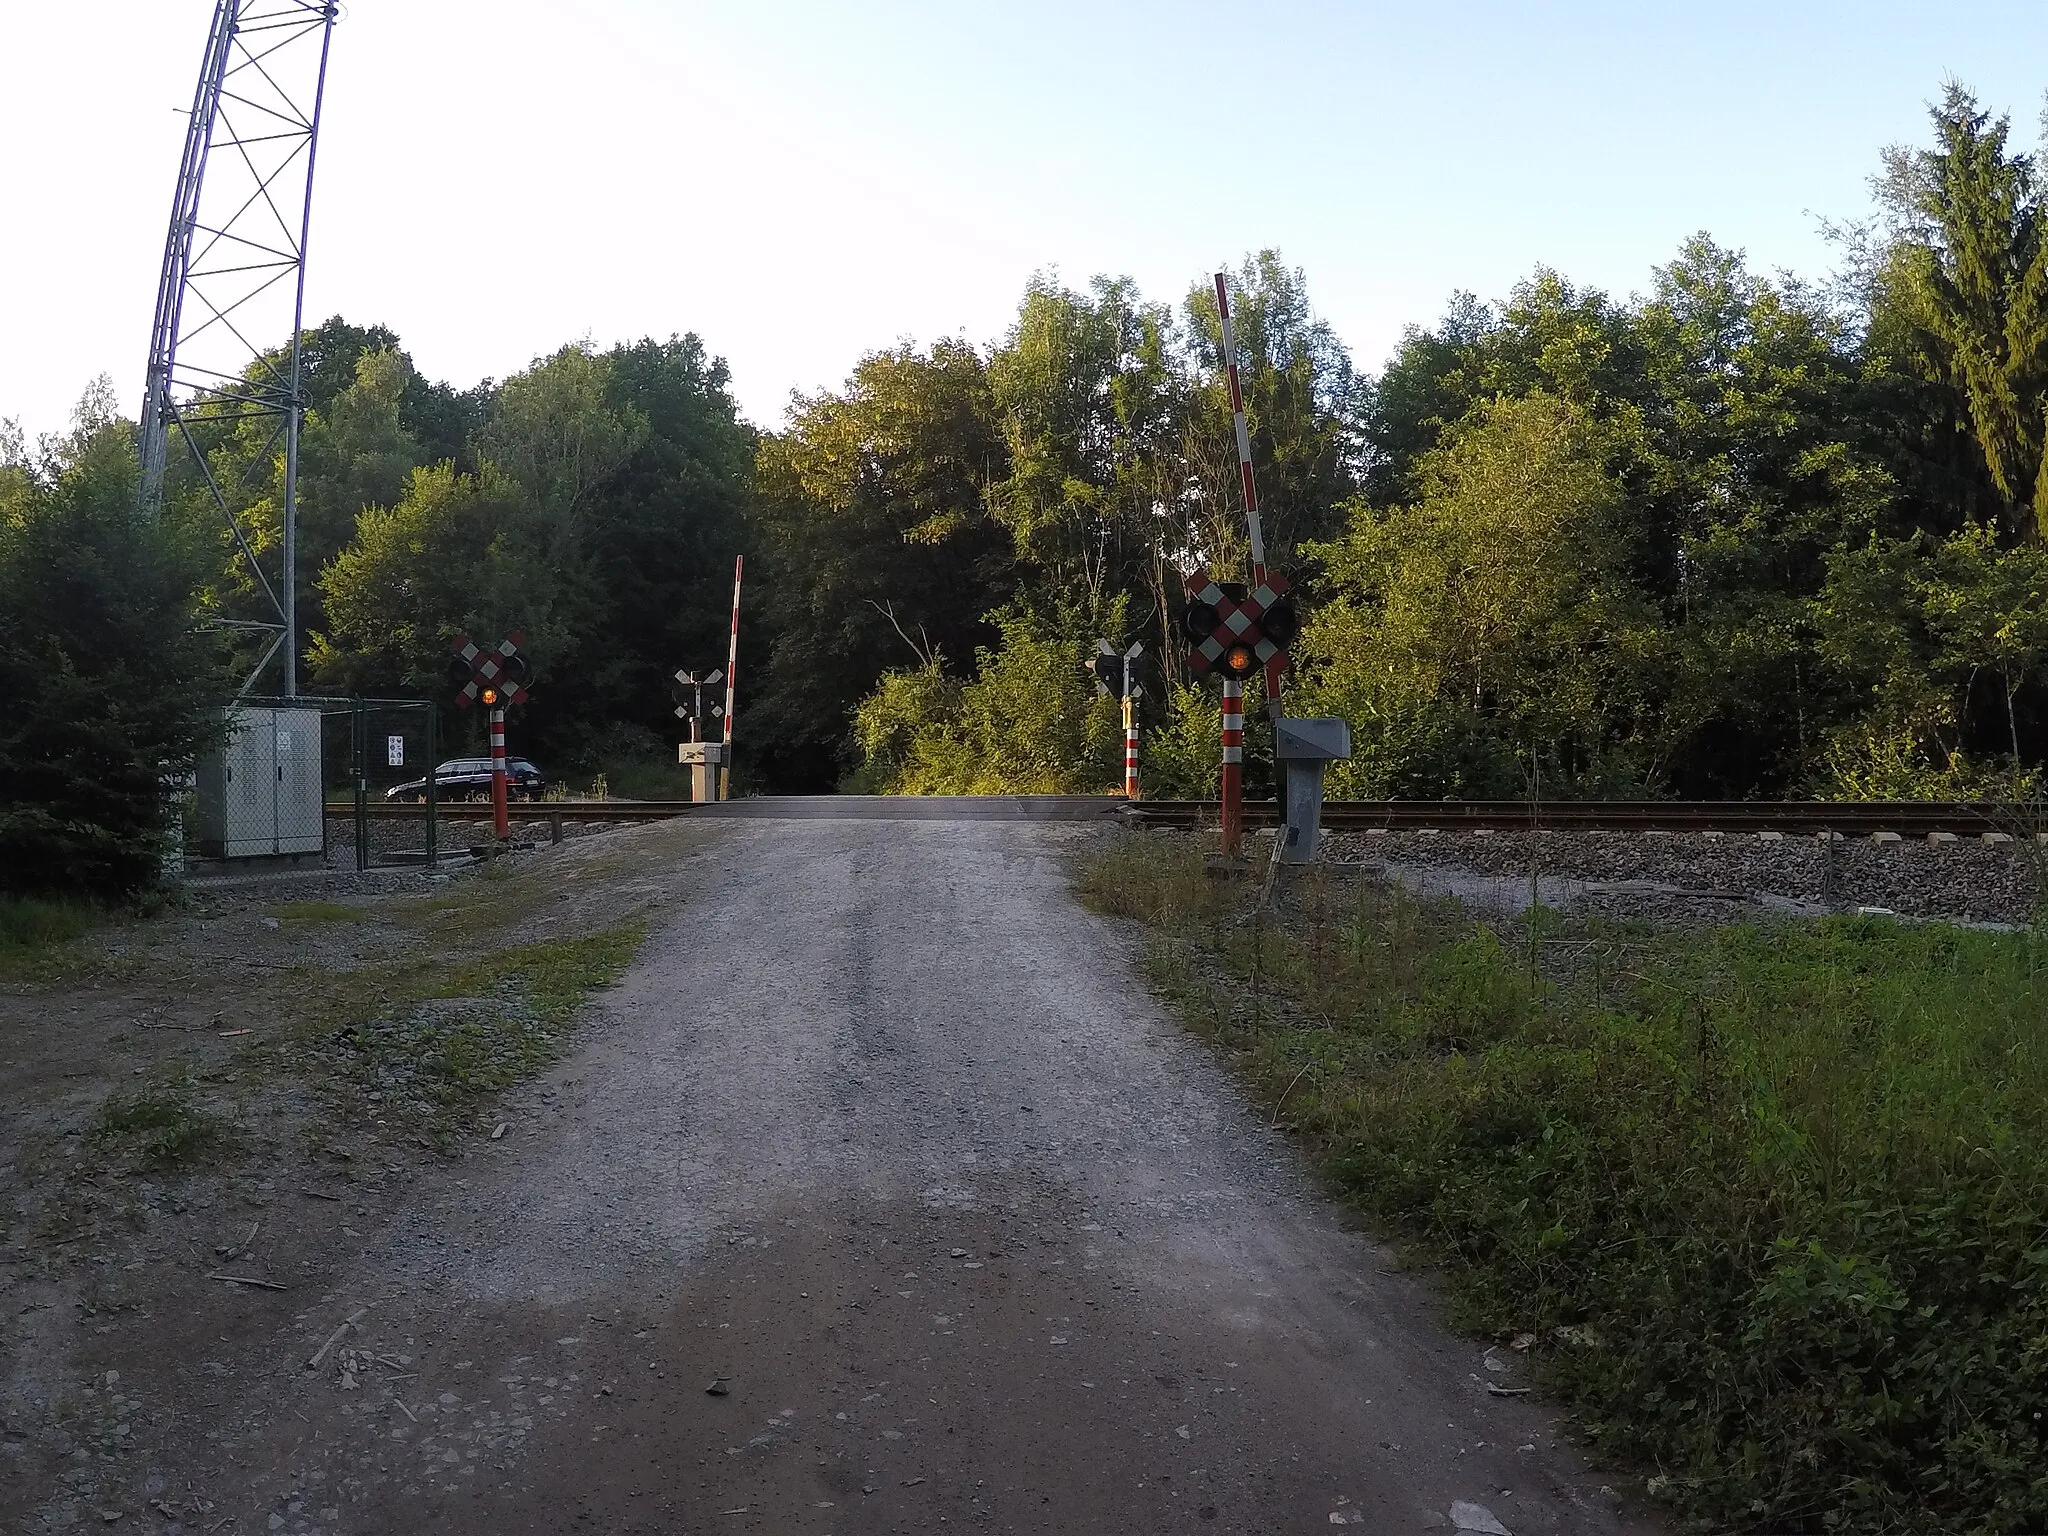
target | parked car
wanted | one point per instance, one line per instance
(469, 778)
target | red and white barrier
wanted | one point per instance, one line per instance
(732, 668)
(1244, 436)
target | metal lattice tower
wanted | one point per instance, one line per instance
(234, 272)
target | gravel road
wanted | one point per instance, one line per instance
(883, 1136)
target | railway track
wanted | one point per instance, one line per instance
(1906, 818)
(525, 810)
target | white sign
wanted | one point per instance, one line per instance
(284, 742)
(394, 751)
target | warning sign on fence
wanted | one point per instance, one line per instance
(394, 751)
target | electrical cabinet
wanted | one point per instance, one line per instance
(259, 792)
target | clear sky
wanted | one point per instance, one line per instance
(800, 182)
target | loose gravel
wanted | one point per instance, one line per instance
(880, 1196)
(1709, 875)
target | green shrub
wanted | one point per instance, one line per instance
(1029, 723)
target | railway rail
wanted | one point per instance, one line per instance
(1905, 818)
(525, 810)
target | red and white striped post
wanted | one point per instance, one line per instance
(499, 814)
(1233, 765)
(1130, 740)
(732, 668)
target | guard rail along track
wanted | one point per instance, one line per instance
(1906, 818)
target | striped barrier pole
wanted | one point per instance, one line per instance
(1233, 765)
(732, 668)
(1278, 664)
(500, 815)
(1130, 747)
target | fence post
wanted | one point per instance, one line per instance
(359, 772)
(433, 786)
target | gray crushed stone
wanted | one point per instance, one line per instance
(1702, 875)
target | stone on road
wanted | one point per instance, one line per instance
(883, 1142)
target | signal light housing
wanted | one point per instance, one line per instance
(1281, 623)
(1238, 661)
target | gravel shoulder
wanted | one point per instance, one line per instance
(1692, 876)
(882, 1136)
(116, 1344)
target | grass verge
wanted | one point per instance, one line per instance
(34, 932)
(1771, 1200)
(162, 1127)
(434, 1052)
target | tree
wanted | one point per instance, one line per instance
(878, 543)
(105, 682)
(1492, 621)
(458, 553)
(1964, 291)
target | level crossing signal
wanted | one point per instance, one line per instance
(494, 676)
(1116, 672)
(688, 691)
(1235, 631)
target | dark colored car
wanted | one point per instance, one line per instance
(469, 778)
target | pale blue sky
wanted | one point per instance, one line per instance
(801, 182)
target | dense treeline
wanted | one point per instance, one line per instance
(1734, 536)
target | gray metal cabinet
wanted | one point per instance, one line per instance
(260, 793)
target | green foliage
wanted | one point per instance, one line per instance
(32, 922)
(1182, 757)
(37, 933)
(600, 518)
(104, 679)
(880, 550)
(1101, 467)
(1965, 288)
(1769, 1199)
(317, 912)
(1029, 723)
(1733, 537)
(1492, 619)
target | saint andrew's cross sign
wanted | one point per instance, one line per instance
(1235, 632)
(502, 669)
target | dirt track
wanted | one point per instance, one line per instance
(883, 1134)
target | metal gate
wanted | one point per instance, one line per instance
(382, 755)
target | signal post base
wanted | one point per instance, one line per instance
(703, 759)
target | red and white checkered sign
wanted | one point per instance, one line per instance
(487, 670)
(1237, 620)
